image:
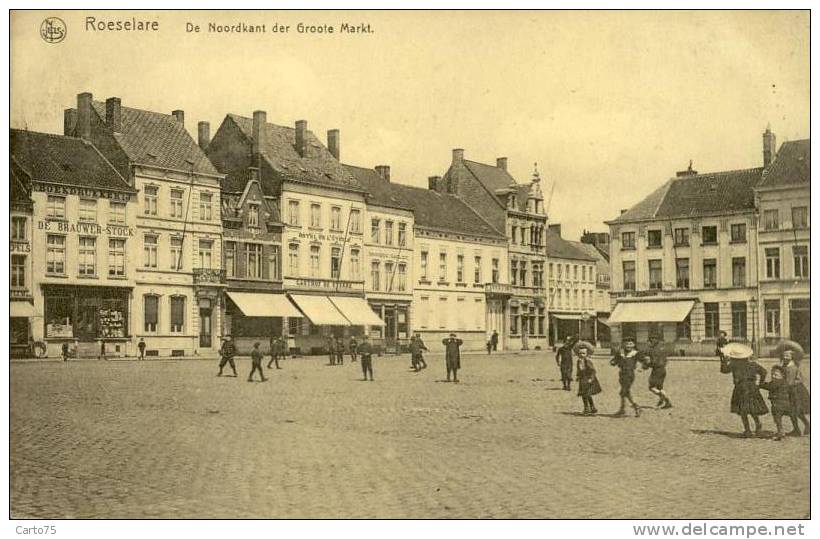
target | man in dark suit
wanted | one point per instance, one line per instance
(366, 354)
(564, 360)
(452, 355)
(416, 353)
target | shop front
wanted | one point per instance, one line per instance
(394, 335)
(20, 331)
(87, 317)
(252, 317)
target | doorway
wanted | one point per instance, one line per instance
(800, 322)
(205, 340)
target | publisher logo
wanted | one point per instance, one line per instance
(53, 30)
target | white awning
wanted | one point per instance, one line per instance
(261, 304)
(357, 311)
(651, 311)
(22, 309)
(319, 310)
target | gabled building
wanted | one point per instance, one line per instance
(388, 256)
(72, 230)
(572, 289)
(178, 275)
(602, 303)
(782, 199)
(683, 262)
(324, 214)
(517, 211)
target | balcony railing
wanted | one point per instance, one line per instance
(498, 289)
(209, 276)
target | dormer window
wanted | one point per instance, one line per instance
(253, 215)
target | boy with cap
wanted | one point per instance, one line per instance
(366, 353)
(564, 360)
(227, 351)
(655, 359)
(626, 360)
(256, 363)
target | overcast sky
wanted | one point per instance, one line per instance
(609, 104)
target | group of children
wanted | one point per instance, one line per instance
(788, 395)
(626, 360)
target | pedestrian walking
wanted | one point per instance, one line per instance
(340, 351)
(655, 359)
(141, 348)
(366, 353)
(256, 363)
(798, 394)
(417, 349)
(563, 358)
(721, 342)
(779, 398)
(494, 340)
(452, 355)
(276, 351)
(102, 350)
(588, 384)
(331, 349)
(626, 360)
(65, 351)
(227, 352)
(354, 348)
(746, 398)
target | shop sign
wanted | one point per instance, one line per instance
(327, 285)
(321, 236)
(20, 247)
(87, 229)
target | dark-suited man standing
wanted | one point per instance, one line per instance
(452, 355)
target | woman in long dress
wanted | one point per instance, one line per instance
(746, 398)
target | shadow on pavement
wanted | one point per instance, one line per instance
(764, 435)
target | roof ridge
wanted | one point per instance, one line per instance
(715, 172)
(662, 198)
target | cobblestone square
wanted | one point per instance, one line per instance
(169, 439)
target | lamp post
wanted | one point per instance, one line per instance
(753, 302)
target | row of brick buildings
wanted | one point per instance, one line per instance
(722, 251)
(126, 228)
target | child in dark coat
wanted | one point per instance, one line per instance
(779, 398)
(588, 384)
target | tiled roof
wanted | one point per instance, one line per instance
(791, 166)
(235, 181)
(699, 194)
(443, 211)
(156, 139)
(601, 264)
(491, 176)
(381, 192)
(319, 167)
(20, 188)
(64, 160)
(557, 247)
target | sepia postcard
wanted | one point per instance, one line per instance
(417, 265)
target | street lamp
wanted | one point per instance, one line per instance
(753, 302)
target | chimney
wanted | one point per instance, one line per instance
(556, 228)
(333, 142)
(688, 172)
(84, 115)
(260, 118)
(301, 137)
(113, 114)
(624, 210)
(501, 163)
(179, 115)
(384, 172)
(458, 155)
(69, 122)
(433, 183)
(204, 132)
(769, 146)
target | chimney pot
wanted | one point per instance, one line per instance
(433, 183)
(260, 118)
(301, 137)
(84, 115)
(113, 114)
(501, 163)
(333, 142)
(204, 132)
(624, 210)
(179, 115)
(383, 172)
(769, 146)
(69, 122)
(458, 155)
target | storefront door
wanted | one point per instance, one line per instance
(390, 327)
(204, 323)
(800, 322)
